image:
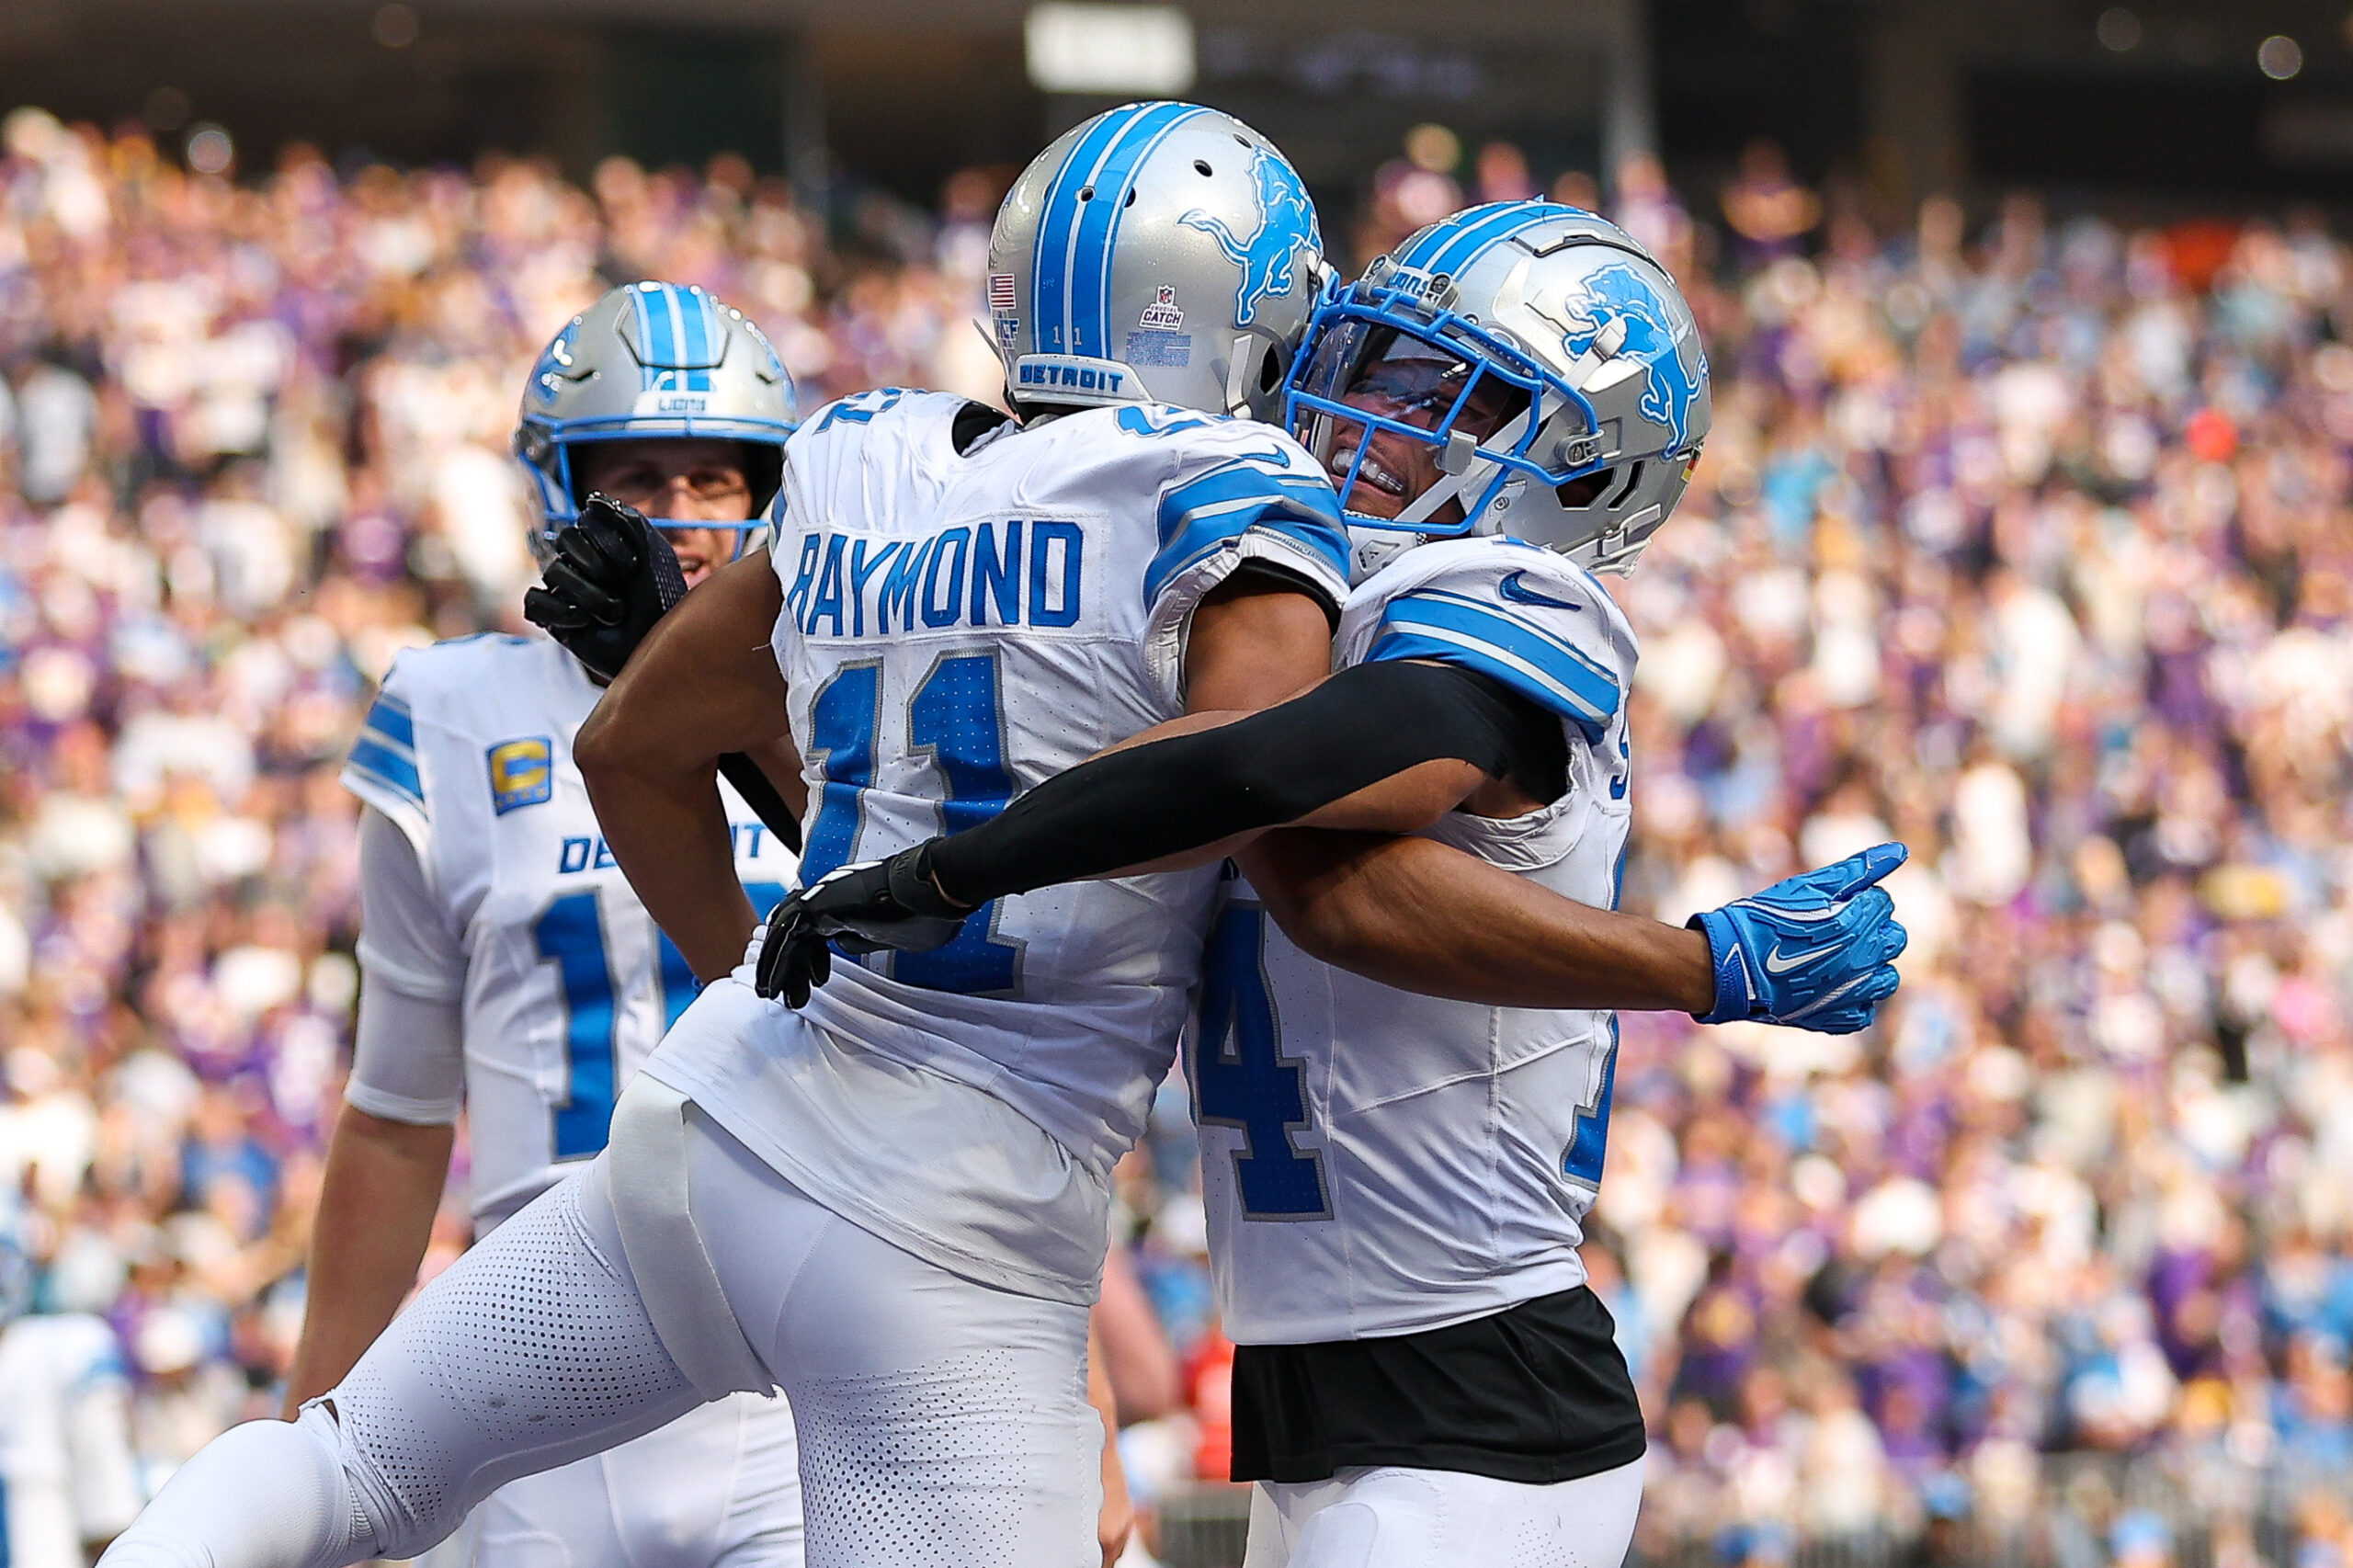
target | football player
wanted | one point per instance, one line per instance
(1396, 1182)
(896, 1209)
(68, 1478)
(508, 968)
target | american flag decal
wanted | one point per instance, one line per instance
(1001, 291)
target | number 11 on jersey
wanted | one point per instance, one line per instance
(954, 720)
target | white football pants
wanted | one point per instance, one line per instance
(941, 1423)
(1388, 1516)
(719, 1487)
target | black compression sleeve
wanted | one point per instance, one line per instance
(1171, 796)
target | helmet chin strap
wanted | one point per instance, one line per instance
(1471, 478)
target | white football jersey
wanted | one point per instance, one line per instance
(958, 627)
(66, 1471)
(568, 984)
(1375, 1162)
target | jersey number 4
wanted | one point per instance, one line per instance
(1242, 1079)
(954, 719)
(571, 935)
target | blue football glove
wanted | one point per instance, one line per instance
(1815, 950)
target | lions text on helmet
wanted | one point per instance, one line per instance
(1522, 368)
(668, 400)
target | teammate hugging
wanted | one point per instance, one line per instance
(889, 1198)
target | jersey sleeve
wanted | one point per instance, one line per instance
(1242, 492)
(382, 769)
(408, 1049)
(1534, 624)
(404, 935)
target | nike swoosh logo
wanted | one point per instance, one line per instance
(1515, 588)
(1779, 962)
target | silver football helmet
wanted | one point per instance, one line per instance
(654, 360)
(1522, 368)
(1158, 253)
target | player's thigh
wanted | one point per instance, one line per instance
(1276, 1514)
(720, 1485)
(456, 1549)
(532, 1351)
(1396, 1517)
(763, 1526)
(559, 1518)
(940, 1420)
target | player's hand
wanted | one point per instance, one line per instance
(1815, 950)
(864, 908)
(613, 577)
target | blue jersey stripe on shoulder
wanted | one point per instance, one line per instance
(389, 768)
(1050, 273)
(1098, 226)
(1565, 681)
(1512, 674)
(1200, 517)
(389, 716)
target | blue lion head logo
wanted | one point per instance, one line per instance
(1268, 254)
(1617, 292)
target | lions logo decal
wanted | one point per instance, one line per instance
(1617, 292)
(1268, 254)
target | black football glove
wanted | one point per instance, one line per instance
(864, 908)
(613, 577)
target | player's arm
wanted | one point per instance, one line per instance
(387, 1163)
(1118, 1519)
(1390, 746)
(1387, 747)
(1254, 639)
(1422, 916)
(1815, 950)
(704, 683)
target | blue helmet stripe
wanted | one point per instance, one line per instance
(1098, 225)
(656, 317)
(647, 358)
(695, 311)
(674, 315)
(1419, 253)
(1506, 219)
(1050, 278)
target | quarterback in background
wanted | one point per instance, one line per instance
(506, 965)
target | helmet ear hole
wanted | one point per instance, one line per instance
(1586, 488)
(1271, 368)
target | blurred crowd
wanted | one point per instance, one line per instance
(2019, 540)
